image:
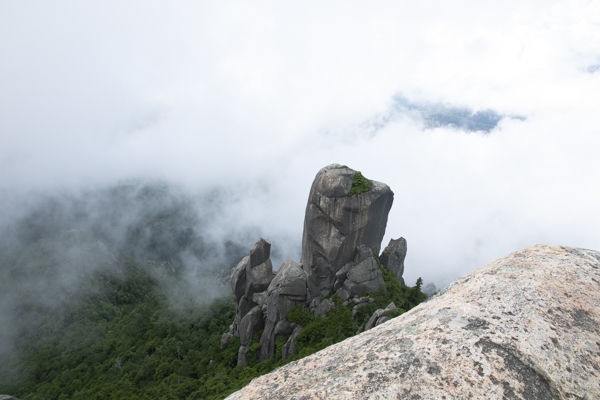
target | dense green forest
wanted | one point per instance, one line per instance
(84, 329)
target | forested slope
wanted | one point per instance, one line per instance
(89, 327)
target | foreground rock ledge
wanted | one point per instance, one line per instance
(524, 326)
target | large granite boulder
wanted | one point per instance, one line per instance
(254, 273)
(259, 273)
(345, 221)
(393, 257)
(286, 291)
(526, 326)
(249, 278)
(359, 276)
(337, 223)
(250, 325)
(289, 348)
(379, 316)
(238, 279)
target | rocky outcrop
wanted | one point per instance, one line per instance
(360, 276)
(336, 224)
(380, 316)
(7, 397)
(286, 291)
(524, 326)
(393, 257)
(289, 348)
(249, 279)
(251, 324)
(345, 221)
(320, 308)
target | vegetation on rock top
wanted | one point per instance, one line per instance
(360, 184)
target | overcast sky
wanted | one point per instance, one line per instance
(258, 96)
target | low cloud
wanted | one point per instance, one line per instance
(251, 100)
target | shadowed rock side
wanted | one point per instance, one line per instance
(525, 326)
(287, 290)
(393, 257)
(336, 224)
(249, 279)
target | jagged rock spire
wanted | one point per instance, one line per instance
(337, 223)
(345, 221)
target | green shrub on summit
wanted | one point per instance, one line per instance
(360, 184)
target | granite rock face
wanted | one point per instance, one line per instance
(336, 224)
(524, 326)
(260, 272)
(254, 273)
(342, 235)
(379, 316)
(289, 348)
(286, 291)
(393, 257)
(249, 279)
(360, 276)
(251, 324)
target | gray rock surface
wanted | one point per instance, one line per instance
(360, 276)
(260, 252)
(371, 323)
(365, 299)
(225, 339)
(341, 235)
(287, 290)
(242, 351)
(260, 298)
(259, 272)
(249, 279)
(393, 257)
(323, 308)
(335, 225)
(7, 397)
(289, 348)
(250, 325)
(356, 308)
(524, 326)
(254, 273)
(379, 316)
(238, 279)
